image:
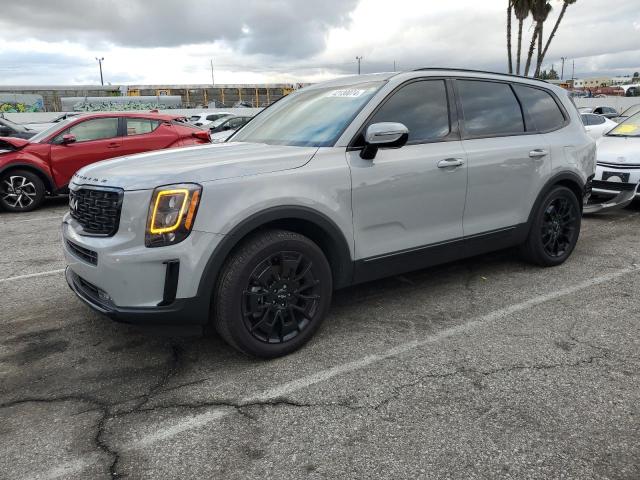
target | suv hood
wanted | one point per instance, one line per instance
(193, 165)
(621, 150)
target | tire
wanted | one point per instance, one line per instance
(555, 229)
(273, 293)
(21, 191)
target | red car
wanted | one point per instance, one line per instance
(44, 164)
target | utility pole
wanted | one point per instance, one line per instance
(212, 81)
(394, 65)
(100, 60)
(359, 59)
(573, 70)
(562, 69)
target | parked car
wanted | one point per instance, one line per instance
(608, 112)
(15, 130)
(44, 164)
(390, 173)
(618, 168)
(597, 125)
(223, 130)
(205, 119)
(632, 110)
(243, 104)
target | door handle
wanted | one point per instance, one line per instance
(113, 145)
(538, 152)
(450, 162)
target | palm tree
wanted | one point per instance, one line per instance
(521, 9)
(565, 5)
(540, 11)
(509, 8)
(540, 15)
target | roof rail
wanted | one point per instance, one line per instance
(478, 71)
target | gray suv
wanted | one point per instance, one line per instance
(338, 183)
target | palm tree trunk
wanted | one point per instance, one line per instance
(555, 29)
(509, 6)
(519, 46)
(532, 47)
(539, 61)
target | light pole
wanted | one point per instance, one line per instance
(359, 59)
(212, 82)
(100, 60)
(562, 69)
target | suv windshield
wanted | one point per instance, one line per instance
(629, 128)
(308, 118)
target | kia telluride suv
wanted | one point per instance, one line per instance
(336, 184)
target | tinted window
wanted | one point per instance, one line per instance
(490, 108)
(594, 120)
(421, 107)
(139, 126)
(96, 129)
(542, 108)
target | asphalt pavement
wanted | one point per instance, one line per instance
(486, 368)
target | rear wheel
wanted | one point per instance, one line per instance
(273, 293)
(21, 191)
(555, 228)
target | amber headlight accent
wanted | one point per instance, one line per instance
(172, 212)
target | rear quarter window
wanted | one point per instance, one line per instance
(543, 111)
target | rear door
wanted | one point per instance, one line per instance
(96, 139)
(146, 134)
(506, 160)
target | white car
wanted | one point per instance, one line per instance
(597, 125)
(205, 119)
(618, 161)
(608, 112)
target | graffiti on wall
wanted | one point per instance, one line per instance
(111, 104)
(20, 103)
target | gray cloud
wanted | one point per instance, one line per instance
(282, 28)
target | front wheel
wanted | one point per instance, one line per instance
(273, 293)
(21, 191)
(555, 228)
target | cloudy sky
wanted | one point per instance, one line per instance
(257, 41)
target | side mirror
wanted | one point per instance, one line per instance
(384, 134)
(202, 135)
(68, 138)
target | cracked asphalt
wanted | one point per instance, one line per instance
(486, 368)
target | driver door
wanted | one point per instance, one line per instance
(409, 202)
(96, 139)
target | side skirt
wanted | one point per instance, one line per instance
(395, 263)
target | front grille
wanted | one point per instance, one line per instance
(614, 186)
(85, 254)
(97, 210)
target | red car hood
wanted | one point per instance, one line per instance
(16, 143)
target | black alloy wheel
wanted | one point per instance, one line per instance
(559, 227)
(273, 292)
(281, 297)
(555, 228)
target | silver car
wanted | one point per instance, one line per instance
(338, 183)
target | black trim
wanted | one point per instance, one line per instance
(618, 166)
(341, 266)
(613, 186)
(82, 253)
(188, 313)
(170, 282)
(407, 260)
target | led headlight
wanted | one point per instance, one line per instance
(172, 212)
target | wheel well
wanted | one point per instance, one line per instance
(574, 187)
(341, 267)
(48, 184)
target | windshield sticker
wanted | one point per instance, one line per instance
(626, 129)
(346, 93)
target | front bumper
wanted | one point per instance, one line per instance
(121, 278)
(611, 180)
